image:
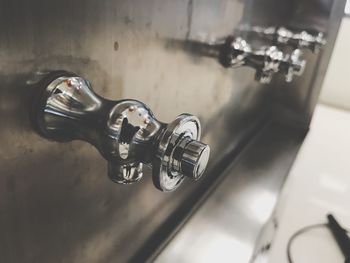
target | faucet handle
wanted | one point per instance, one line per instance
(180, 154)
(194, 159)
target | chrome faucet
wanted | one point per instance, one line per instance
(283, 36)
(125, 132)
(267, 60)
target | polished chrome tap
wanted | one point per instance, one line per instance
(125, 132)
(267, 60)
(283, 36)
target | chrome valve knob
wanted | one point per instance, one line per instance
(125, 132)
(194, 158)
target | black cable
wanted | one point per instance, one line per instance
(298, 233)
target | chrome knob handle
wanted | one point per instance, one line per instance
(190, 157)
(125, 132)
(194, 159)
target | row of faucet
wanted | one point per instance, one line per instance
(274, 58)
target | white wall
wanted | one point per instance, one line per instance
(336, 87)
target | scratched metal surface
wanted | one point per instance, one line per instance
(56, 202)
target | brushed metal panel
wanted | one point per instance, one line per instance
(56, 201)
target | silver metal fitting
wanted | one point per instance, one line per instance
(267, 60)
(125, 132)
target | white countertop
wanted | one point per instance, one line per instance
(319, 183)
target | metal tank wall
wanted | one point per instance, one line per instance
(56, 201)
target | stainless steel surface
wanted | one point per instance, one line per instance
(125, 132)
(226, 227)
(282, 36)
(56, 204)
(267, 60)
